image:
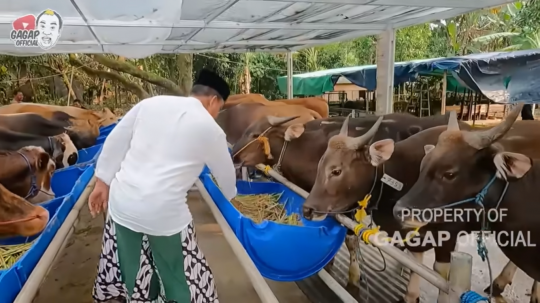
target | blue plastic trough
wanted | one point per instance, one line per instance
(280, 252)
(68, 185)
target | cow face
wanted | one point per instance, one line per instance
(64, 151)
(18, 217)
(84, 132)
(458, 168)
(254, 145)
(43, 168)
(27, 173)
(346, 172)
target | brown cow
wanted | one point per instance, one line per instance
(317, 104)
(314, 103)
(85, 123)
(498, 162)
(18, 217)
(236, 119)
(28, 173)
(35, 124)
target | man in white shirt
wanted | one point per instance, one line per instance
(150, 161)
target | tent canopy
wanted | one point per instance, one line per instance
(139, 28)
(501, 76)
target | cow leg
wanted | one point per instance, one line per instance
(413, 288)
(351, 241)
(504, 278)
(535, 293)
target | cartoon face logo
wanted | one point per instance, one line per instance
(49, 24)
(42, 31)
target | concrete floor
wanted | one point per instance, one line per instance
(71, 278)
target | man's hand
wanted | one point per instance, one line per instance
(97, 202)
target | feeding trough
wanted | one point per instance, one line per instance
(281, 252)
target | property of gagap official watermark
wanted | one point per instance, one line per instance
(450, 215)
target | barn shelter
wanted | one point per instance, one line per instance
(500, 76)
(137, 29)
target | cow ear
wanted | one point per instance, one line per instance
(428, 148)
(43, 161)
(294, 132)
(381, 151)
(511, 165)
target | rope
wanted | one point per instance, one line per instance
(472, 297)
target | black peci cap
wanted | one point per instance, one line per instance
(213, 80)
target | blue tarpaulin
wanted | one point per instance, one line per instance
(504, 77)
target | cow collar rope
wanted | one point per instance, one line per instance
(30, 218)
(266, 148)
(261, 139)
(479, 200)
(34, 189)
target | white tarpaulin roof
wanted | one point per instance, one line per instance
(138, 28)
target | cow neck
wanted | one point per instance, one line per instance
(277, 165)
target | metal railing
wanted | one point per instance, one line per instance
(460, 267)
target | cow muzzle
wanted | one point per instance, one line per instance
(310, 214)
(406, 216)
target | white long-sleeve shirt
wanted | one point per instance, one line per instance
(154, 156)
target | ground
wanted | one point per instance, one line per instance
(72, 277)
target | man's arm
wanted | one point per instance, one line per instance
(219, 161)
(116, 146)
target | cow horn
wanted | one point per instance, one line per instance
(453, 124)
(277, 121)
(483, 139)
(358, 142)
(345, 126)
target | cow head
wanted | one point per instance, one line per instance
(28, 173)
(18, 217)
(105, 117)
(346, 172)
(458, 168)
(84, 132)
(254, 146)
(64, 152)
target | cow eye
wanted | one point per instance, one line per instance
(449, 176)
(336, 172)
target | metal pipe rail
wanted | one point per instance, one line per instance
(58, 243)
(259, 284)
(461, 260)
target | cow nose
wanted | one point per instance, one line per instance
(308, 212)
(401, 212)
